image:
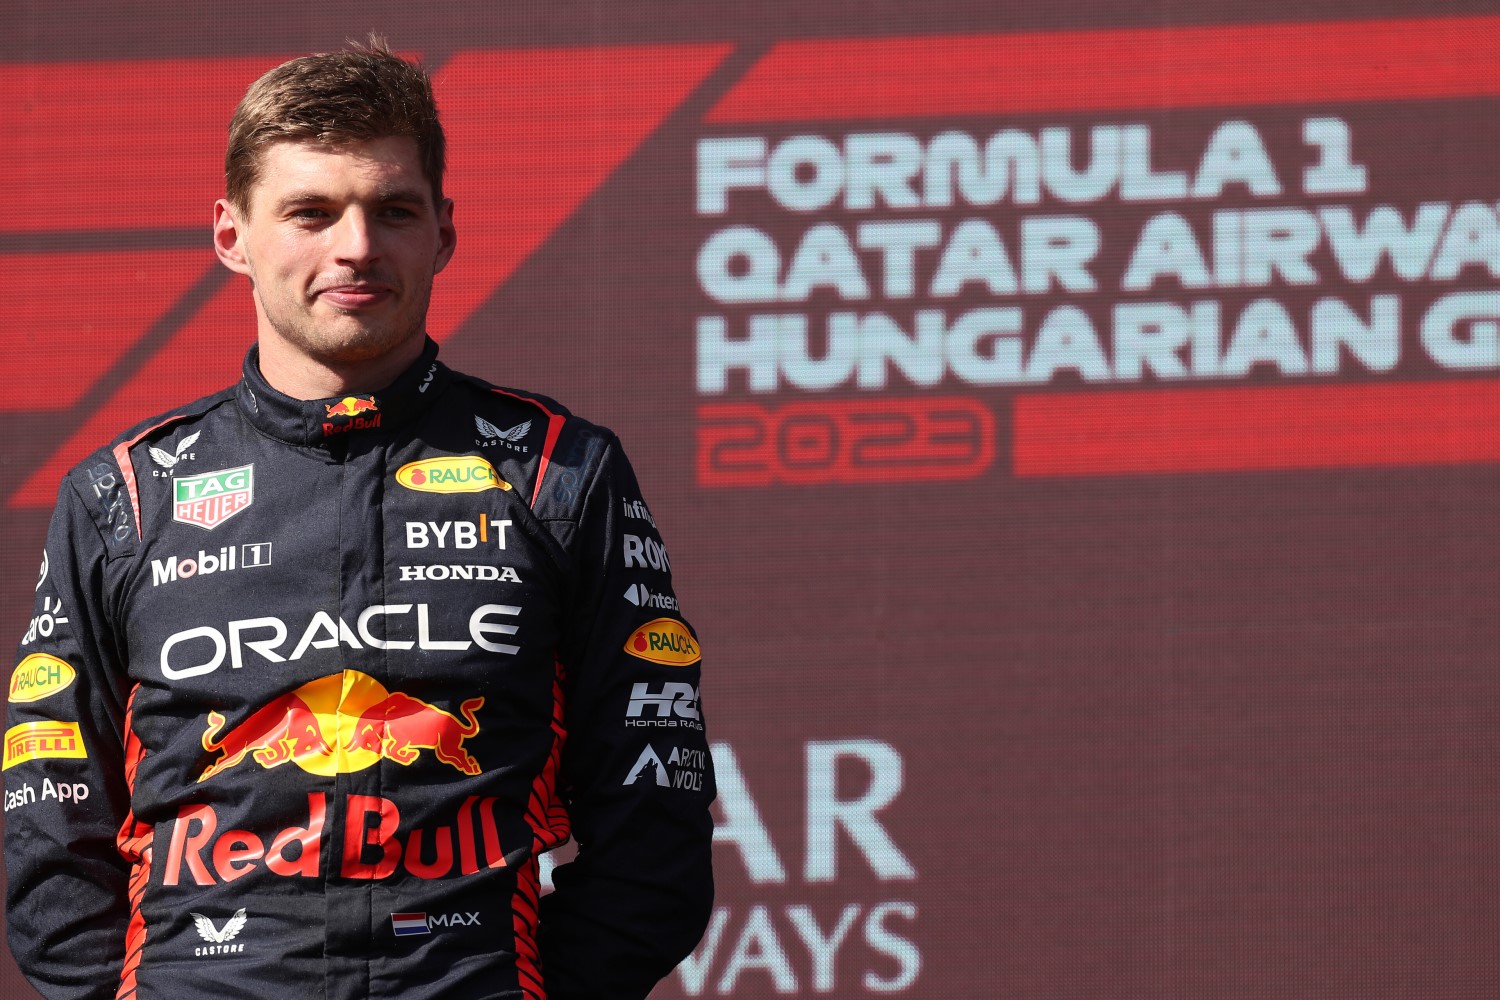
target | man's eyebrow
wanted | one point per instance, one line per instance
(404, 194)
(312, 197)
(300, 198)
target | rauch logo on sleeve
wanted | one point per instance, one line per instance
(38, 676)
(665, 641)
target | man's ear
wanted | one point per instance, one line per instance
(229, 238)
(447, 235)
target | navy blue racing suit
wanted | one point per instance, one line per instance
(313, 684)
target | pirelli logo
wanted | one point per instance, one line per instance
(36, 740)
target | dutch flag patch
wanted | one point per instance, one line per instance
(407, 924)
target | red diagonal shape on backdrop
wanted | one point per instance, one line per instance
(78, 312)
(1219, 429)
(1121, 68)
(132, 144)
(531, 135)
(534, 133)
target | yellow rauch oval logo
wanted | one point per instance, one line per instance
(666, 641)
(38, 676)
(451, 474)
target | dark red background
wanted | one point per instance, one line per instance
(1222, 729)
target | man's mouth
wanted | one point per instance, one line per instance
(355, 296)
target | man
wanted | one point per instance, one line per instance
(351, 643)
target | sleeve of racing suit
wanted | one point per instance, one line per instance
(65, 794)
(636, 900)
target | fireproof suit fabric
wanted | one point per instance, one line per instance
(312, 685)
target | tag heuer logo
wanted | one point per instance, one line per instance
(214, 497)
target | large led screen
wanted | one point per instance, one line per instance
(1075, 430)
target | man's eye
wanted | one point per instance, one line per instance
(309, 213)
(397, 212)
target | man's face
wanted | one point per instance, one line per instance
(341, 244)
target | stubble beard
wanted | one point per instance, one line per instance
(347, 338)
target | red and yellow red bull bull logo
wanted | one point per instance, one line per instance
(666, 641)
(352, 413)
(39, 676)
(451, 474)
(352, 406)
(342, 723)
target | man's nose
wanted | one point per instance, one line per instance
(354, 239)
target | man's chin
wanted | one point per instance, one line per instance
(349, 341)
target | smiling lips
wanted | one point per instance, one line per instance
(355, 296)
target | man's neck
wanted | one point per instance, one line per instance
(302, 377)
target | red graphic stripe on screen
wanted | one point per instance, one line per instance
(117, 145)
(202, 357)
(69, 317)
(1180, 67)
(531, 134)
(1230, 429)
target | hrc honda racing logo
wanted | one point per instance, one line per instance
(674, 706)
(342, 723)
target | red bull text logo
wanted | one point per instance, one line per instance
(343, 723)
(346, 415)
(210, 499)
(666, 641)
(451, 474)
(374, 845)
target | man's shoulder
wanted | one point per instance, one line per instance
(105, 480)
(508, 395)
(565, 449)
(155, 426)
(540, 409)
